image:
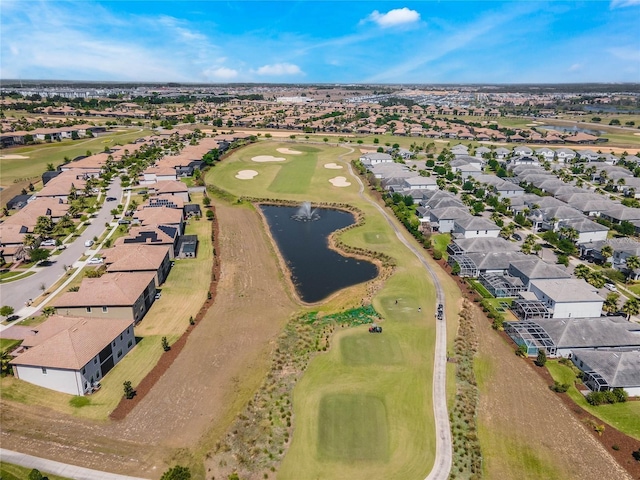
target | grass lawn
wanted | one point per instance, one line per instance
(368, 399)
(185, 289)
(635, 288)
(8, 344)
(9, 471)
(440, 242)
(624, 416)
(15, 275)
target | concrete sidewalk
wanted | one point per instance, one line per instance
(49, 466)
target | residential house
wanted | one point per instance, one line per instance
(113, 295)
(139, 258)
(469, 227)
(73, 354)
(566, 298)
(605, 370)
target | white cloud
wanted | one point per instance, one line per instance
(575, 67)
(393, 18)
(624, 3)
(279, 69)
(221, 73)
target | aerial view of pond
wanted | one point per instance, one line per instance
(301, 234)
(571, 129)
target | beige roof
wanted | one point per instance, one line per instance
(39, 207)
(10, 233)
(171, 186)
(61, 185)
(69, 342)
(131, 257)
(111, 290)
(158, 216)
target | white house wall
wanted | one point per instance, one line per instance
(65, 381)
(578, 309)
(587, 237)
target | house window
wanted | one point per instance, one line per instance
(130, 343)
(120, 336)
(113, 344)
(119, 353)
(97, 375)
(44, 371)
(105, 309)
(84, 370)
(95, 361)
(88, 309)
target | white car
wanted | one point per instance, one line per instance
(611, 286)
(95, 261)
(88, 243)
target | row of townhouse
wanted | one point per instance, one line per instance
(9, 139)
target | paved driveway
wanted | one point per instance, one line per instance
(17, 293)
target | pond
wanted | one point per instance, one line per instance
(571, 129)
(316, 270)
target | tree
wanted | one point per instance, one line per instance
(611, 303)
(541, 360)
(39, 255)
(636, 455)
(631, 307)
(129, 392)
(165, 344)
(6, 310)
(606, 252)
(48, 311)
(176, 473)
(206, 201)
(633, 263)
(35, 475)
(44, 226)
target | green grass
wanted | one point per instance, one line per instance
(635, 288)
(9, 471)
(370, 350)
(295, 175)
(353, 428)
(15, 275)
(623, 416)
(8, 344)
(440, 242)
(376, 238)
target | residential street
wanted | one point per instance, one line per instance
(17, 293)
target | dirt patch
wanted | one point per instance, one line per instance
(12, 157)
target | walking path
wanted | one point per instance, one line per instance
(442, 464)
(56, 468)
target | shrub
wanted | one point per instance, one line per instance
(437, 255)
(129, 393)
(636, 455)
(522, 351)
(559, 387)
(177, 473)
(541, 360)
(165, 344)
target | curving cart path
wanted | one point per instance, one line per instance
(442, 464)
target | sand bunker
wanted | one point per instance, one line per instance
(289, 151)
(339, 182)
(12, 157)
(332, 166)
(267, 158)
(246, 174)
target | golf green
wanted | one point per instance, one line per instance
(352, 427)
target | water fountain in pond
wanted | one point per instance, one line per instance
(305, 213)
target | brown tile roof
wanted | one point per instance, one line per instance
(171, 186)
(70, 342)
(111, 290)
(158, 216)
(131, 257)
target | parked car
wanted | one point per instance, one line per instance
(111, 199)
(48, 243)
(611, 286)
(95, 261)
(516, 237)
(88, 243)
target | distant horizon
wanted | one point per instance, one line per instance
(318, 42)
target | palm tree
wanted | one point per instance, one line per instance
(631, 307)
(29, 240)
(606, 252)
(611, 303)
(537, 248)
(581, 271)
(633, 263)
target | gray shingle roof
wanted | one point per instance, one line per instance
(619, 369)
(591, 332)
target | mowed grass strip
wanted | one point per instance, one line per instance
(9, 471)
(370, 349)
(353, 427)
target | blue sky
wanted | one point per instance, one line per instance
(314, 41)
